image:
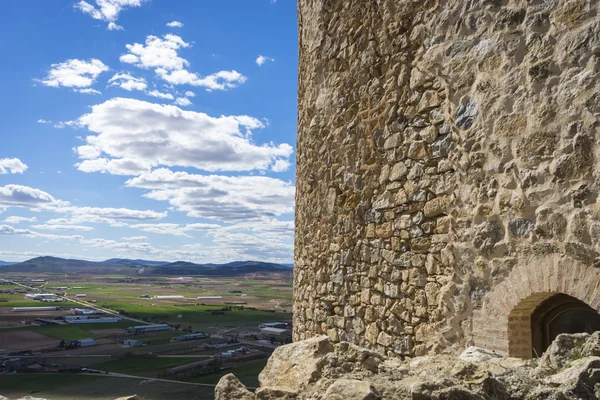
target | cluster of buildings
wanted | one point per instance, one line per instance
(147, 328)
(81, 315)
(43, 297)
(276, 330)
(191, 336)
(234, 352)
(84, 319)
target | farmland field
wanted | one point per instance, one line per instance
(238, 306)
(85, 387)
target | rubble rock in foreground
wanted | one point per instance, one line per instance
(317, 369)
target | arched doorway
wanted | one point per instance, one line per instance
(560, 314)
(536, 321)
(504, 322)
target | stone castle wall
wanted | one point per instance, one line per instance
(446, 169)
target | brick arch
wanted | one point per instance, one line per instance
(508, 307)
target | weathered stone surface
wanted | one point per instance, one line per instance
(351, 389)
(563, 350)
(295, 365)
(349, 372)
(465, 115)
(470, 132)
(230, 388)
(477, 355)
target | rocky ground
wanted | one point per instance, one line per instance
(318, 369)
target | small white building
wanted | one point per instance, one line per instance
(276, 332)
(81, 295)
(278, 325)
(85, 342)
(132, 342)
(83, 311)
(148, 328)
(35, 309)
(40, 296)
(228, 354)
(86, 320)
(167, 297)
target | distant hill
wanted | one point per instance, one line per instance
(229, 269)
(3, 263)
(133, 263)
(53, 265)
(132, 267)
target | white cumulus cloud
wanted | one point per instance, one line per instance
(74, 73)
(221, 80)
(130, 136)
(128, 82)
(12, 165)
(156, 53)
(59, 227)
(160, 95)
(174, 229)
(217, 197)
(88, 91)
(135, 238)
(183, 101)
(17, 220)
(175, 24)
(260, 60)
(114, 27)
(25, 196)
(107, 10)
(161, 54)
(9, 230)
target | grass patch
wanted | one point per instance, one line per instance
(247, 373)
(72, 332)
(149, 367)
(190, 314)
(34, 383)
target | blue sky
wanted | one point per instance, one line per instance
(148, 129)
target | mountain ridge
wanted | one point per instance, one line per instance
(4, 263)
(136, 267)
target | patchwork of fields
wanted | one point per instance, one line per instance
(241, 305)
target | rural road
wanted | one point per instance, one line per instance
(145, 378)
(108, 356)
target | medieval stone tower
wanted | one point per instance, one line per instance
(448, 173)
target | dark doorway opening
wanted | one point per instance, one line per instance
(560, 314)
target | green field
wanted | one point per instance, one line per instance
(114, 293)
(24, 382)
(149, 367)
(73, 331)
(246, 373)
(190, 314)
(86, 387)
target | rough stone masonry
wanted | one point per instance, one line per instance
(447, 170)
